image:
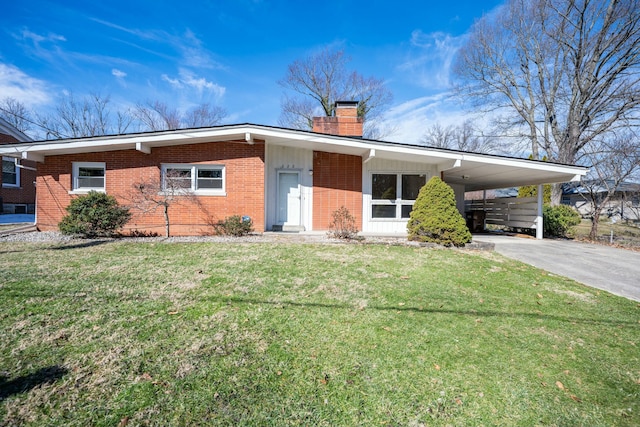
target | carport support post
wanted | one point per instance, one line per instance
(539, 220)
(484, 210)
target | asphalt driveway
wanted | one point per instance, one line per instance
(603, 267)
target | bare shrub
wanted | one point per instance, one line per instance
(343, 224)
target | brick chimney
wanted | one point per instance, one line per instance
(344, 122)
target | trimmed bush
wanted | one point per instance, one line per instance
(559, 219)
(532, 191)
(435, 217)
(343, 224)
(234, 225)
(94, 215)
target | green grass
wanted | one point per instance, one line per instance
(122, 333)
(623, 234)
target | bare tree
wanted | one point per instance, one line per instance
(322, 79)
(612, 163)
(297, 113)
(568, 70)
(88, 116)
(171, 188)
(157, 115)
(204, 115)
(16, 113)
(92, 115)
(439, 136)
(463, 137)
(73, 118)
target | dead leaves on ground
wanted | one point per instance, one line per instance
(562, 387)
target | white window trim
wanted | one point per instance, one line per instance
(17, 169)
(194, 177)
(85, 190)
(398, 202)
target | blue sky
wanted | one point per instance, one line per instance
(231, 53)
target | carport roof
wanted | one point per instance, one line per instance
(474, 171)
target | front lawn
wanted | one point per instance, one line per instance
(119, 333)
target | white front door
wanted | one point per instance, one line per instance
(289, 198)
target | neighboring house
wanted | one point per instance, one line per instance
(492, 194)
(18, 191)
(624, 203)
(283, 179)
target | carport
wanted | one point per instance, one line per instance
(473, 172)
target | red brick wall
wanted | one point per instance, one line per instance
(26, 193)
(337, 181)
(7, 139)
(244, 185)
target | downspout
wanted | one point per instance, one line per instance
(539, 220)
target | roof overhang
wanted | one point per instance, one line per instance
(7, 128)
(474, 171)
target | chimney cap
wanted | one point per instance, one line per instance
(347, 104)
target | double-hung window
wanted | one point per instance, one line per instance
(200, 179)
(88, 176)
(393, 195)
(10, 173)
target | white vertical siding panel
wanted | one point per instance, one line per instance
(281, 157)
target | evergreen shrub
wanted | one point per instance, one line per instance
(558, 220)
(95, 214)
(435, 217)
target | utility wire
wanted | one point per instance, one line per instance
(40, 125)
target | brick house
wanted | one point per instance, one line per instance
(17, 189)
(283, 179)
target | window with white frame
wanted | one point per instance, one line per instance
(201, 179)
(10, 173)
(88, 176)
(393, 194)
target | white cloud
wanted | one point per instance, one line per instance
(188, 46)
(173, 82)
(118, 73)
(431, 58)
(37, 38)
(193, 53)
(188, 80)
(412, 118)
(120, 76)
(14, 83)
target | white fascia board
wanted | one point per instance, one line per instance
(364, 145)
(112, 143)
(10, 150)
(523, 163)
